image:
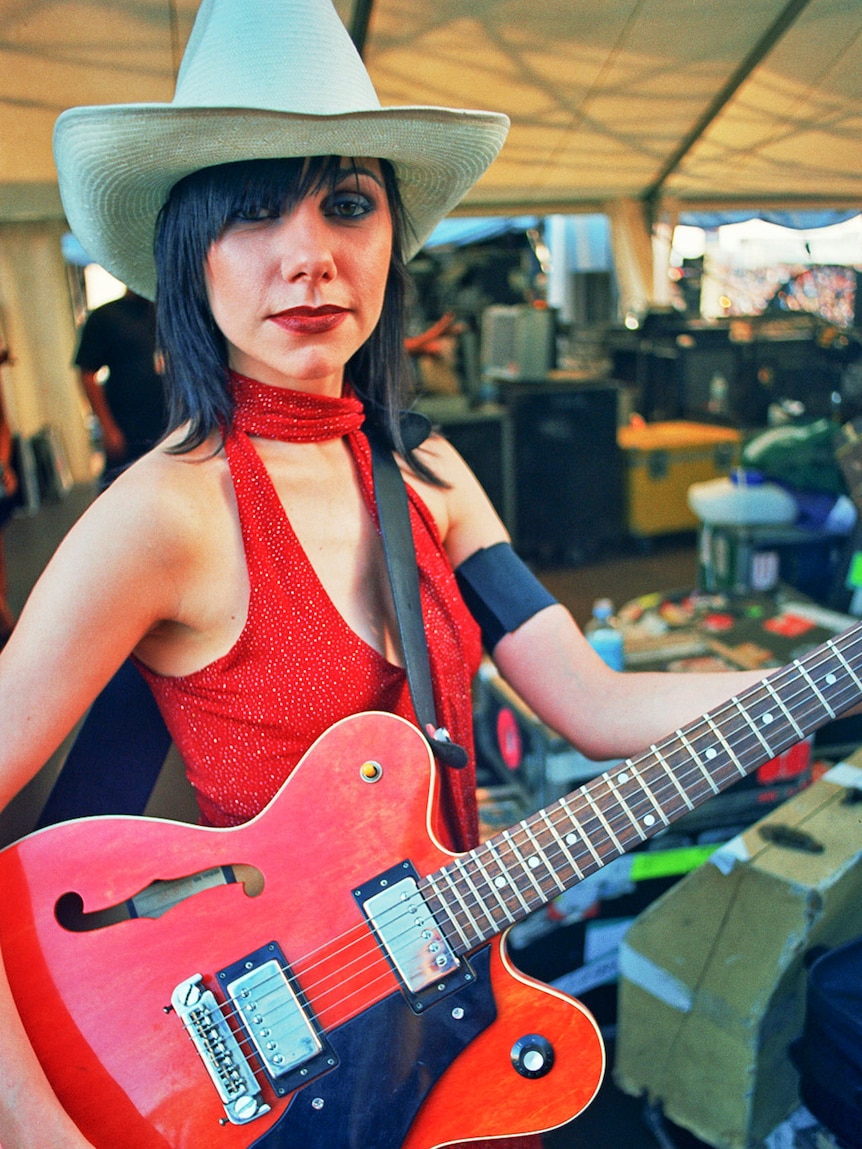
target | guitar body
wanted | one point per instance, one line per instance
(94, 995)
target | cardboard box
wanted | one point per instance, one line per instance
(661, 461)
(713, 973)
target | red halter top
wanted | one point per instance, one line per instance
(242, 722)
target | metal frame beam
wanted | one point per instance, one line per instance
(788, 16)
(359, 22)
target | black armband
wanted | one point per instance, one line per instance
(500, 591)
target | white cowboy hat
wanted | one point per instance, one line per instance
(260, 79)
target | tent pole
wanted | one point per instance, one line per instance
(359, 22)
(788, 16)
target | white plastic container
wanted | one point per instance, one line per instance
(743, 498)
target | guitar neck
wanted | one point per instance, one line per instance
(499, 883)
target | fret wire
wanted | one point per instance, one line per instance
(693, 777)
(728, 750)
(692, 770)
(651, 792)
(460, 865)
(504, 885)
(566, 853)
(545, 861)
(696, 758)
(786, 712)
(604, 821)
(816, 688)
(582, 838)
(457, 917)
(754, 727)
(623, 804)
(522, 861)
(493, 887)
(513, 886)
(832, 645)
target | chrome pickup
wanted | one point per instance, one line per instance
(409, 935)
(282, 1035)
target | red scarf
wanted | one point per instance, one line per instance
(293, 416)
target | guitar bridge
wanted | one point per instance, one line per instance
(275, 1021)
(219, 1050)
(414, 944)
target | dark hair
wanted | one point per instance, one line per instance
(193, 347)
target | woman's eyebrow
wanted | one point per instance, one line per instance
(356, 170)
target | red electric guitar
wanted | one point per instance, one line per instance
(326, 976)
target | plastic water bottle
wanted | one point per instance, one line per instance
(604, 635)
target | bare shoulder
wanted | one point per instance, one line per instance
(151, 527)
(168, 495)
(463, 512)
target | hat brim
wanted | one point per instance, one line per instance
(117, 163)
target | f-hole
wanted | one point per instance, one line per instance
(156, 899)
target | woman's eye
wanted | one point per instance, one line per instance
(255, 214)
(349, 205)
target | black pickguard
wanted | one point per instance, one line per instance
(389, 1060)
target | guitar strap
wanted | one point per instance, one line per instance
(394, 510)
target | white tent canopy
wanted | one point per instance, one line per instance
(696, 102)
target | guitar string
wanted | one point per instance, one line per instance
(647, 761)
(752, 738)
(626, 823)
(366, 936)
(622, 823)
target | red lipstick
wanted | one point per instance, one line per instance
(310, 320)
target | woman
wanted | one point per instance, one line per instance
(240, 560)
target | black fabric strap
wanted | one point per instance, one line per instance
(394, 510)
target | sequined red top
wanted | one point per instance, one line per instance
(242, 722)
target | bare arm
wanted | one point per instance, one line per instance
(114, 439)
(604, 713)
(111, 582)
(551, 665)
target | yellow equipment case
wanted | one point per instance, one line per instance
(661, 461)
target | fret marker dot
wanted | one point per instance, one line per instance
(711, 752)
(534, 862)
(500, 882)
(623, 777)
(649, 820)
(831, 679)
(767, 718)
(571, 839)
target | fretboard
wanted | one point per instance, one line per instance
(518, 871)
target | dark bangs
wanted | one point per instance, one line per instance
(194, 350)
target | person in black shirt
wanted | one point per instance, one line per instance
(121, 336)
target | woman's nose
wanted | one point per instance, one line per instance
(305, 240)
